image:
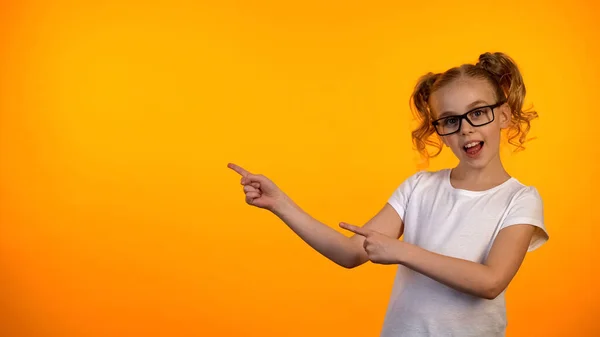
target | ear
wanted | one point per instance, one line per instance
(504, 114)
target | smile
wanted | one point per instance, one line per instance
(473, 148)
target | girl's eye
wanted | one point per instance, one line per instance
(451, 121)
(477, 113)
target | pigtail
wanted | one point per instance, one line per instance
(507, 75)
(420, 107)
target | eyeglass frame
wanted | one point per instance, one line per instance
(464, 116)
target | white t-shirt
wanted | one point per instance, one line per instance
(461, 224)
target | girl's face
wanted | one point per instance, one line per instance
(474, 146)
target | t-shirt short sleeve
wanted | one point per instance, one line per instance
(527, 208)
(399, 198)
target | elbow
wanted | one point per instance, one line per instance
(349, 264)
(492, 290)
(352, 262)
(490, 294)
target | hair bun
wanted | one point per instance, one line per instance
(493, 64)
(427, 83)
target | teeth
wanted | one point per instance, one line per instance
(471, 144)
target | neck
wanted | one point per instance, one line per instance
(492, 174)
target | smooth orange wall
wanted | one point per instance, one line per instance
(119, 217)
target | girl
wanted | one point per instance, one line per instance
(465, 230)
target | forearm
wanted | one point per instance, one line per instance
(324, 239)
(466, 276)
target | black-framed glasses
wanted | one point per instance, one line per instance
(479, 116)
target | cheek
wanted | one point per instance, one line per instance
(492, 134)
(450, 141)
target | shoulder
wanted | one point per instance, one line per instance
(513, 192)
(428, 176)
(420, 181)
(526, 207)
(525, 193)
(415, 183)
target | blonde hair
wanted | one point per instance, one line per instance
(500, 71)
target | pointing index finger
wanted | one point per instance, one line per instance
(355, 229)
(238, 169)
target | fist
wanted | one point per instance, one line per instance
(259, 190)
(380, 248)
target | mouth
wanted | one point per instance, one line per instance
(473, 148)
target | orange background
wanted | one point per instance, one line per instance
(119, 217)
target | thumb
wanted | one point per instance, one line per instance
(253, 178)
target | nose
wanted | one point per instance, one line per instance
(466, 128)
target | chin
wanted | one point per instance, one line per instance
(477, 164)
(480, 161)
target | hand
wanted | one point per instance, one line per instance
(380, 248)
(260, 191)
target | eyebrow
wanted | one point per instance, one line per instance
(469, 107)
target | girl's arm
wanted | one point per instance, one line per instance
(261, 192)
(344, 251)
(485, 280)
